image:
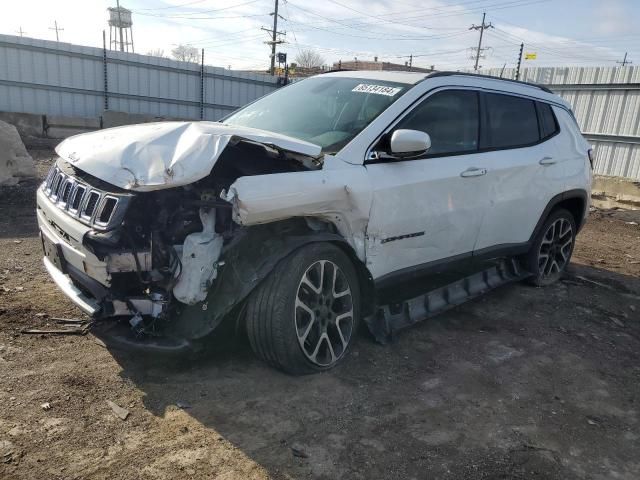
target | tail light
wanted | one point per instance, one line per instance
(591, 156)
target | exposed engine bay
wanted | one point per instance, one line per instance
(162, 250)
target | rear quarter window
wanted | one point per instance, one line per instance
(512, 121)
(548, 122)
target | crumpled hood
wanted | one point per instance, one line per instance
(154, 156)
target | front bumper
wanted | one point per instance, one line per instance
(88, 305)
(79, 274)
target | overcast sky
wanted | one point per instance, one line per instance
(436, 32)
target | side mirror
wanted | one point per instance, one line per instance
(408, 143)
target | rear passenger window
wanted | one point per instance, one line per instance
(548, 124)
(451, 120)
(512, 121)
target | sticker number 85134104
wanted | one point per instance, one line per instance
(377, 89)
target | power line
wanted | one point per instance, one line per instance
(198, 12)
(482, 27)
(174, 6)
(295, 39)
(494, 6)
(566, 51)
(508, 37)
(382, 35)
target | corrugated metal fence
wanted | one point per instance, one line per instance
(44, 77)
(606, 102)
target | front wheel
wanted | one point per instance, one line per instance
(304, 316)
(552, 248)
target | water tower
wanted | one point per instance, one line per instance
(120, 28)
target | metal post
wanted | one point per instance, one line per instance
(482, 28)
(475, 67)
(202, 86)
(519, 61)
(273, 39)
(120, 25)
(104, 68)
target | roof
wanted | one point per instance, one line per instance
(410, 78)
(458, 78)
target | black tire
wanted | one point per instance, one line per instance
(288, 321)
(551, 251)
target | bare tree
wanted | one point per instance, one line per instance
(309, 59)
(158, 52)
(185, 53)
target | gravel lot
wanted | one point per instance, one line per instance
(523, 383)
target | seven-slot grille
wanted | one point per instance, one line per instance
(88, 204)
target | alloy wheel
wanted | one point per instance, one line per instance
(324, 317)
(555, 248)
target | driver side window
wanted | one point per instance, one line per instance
(450, 118)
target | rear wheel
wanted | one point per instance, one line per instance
(552, 248)
(304, 316)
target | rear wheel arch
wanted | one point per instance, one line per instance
(576, 205)
(575, 201)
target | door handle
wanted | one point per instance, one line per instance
(474, 172)
(547, 161)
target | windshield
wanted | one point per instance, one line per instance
(327, 111)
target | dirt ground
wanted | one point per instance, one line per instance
(523, 383)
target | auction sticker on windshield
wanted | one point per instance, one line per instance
(377, 89)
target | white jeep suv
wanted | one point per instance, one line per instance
(378, 196)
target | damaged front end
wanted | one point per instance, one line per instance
(155, 249)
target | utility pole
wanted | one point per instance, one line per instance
(519, 61)
(21, 32)
(410, 61)
(624, 61)
(482, 28)
(57, 29)
(120, 27)
(274, 37)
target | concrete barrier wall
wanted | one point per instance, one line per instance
(46, 131)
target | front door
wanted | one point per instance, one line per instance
(428, 211)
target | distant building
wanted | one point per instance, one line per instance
(376, 65)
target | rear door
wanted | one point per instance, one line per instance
(427, 211)
(524, 170)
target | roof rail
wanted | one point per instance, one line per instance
(447, 74)
(337, 70)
